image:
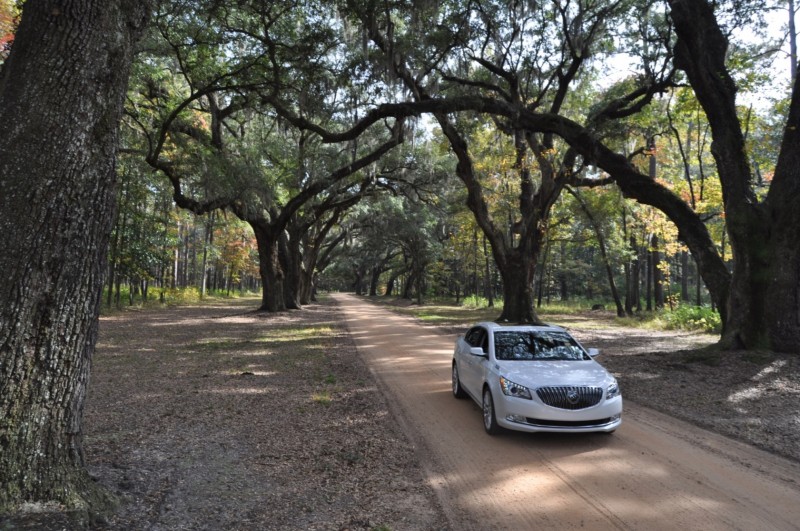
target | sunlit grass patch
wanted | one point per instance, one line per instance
(690, 318)
(169, 298)
(565, 307)
(294, 334)
(322, 398)
(447, 314)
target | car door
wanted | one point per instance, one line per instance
(470, 366)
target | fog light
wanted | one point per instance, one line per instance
(516, 418)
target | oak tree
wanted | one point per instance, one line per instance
(61, 93)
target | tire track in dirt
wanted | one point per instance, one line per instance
(654, 473)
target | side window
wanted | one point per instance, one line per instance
(476, 337)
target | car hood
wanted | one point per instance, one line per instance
(533, 374)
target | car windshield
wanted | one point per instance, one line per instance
(536, 345)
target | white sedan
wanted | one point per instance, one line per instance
(535, 379)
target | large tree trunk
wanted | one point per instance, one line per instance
(375, 276)
(61, 94)
(291, 262)
(358, 284)
(517, 272)
(272, 276)
(765, 290)
(764, 303)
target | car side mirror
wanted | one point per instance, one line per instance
(477, 351)
(593, 352)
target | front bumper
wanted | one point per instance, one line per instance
(533, 416)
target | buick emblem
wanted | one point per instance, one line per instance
(573, 396)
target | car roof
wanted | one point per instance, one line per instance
(494, 327)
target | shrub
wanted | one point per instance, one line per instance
(694, 318)
(475, 301)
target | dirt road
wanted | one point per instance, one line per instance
(654, 473)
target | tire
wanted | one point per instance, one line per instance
(489, 418)
(458, 391)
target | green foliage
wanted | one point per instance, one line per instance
(477, 301)
(701, 318)
(684, 317)
(9, 17)
(174, 297)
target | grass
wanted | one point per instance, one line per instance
(322, 398)
(445, 312)
(169, 297)
(297, 334)
(692, 318)
(440, 312)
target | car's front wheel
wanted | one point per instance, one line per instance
(489, 418)
(458, 391)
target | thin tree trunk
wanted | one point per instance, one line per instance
(658, 274)
(207, 241)
(649, 281)
(792, 42)
(685, 276)
(601, 241)
(488, 287)
(542, 268)
(698, 287)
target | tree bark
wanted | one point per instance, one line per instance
(61, 94)
(358, 284)
(272, 275)
(517, 272)
(291, 262)
(764, 304)
(658, 274)
(685, 276)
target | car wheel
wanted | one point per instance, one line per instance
(489, 418)
(458, 391)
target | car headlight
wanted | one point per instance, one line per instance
(511, 389)
(612, 391)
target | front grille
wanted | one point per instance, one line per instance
(569, 397)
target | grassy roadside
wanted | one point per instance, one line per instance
(447, 314)
(167, 298)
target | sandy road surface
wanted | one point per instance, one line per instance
(654, 473)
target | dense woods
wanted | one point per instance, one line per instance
(631, 153)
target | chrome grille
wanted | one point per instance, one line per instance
(570, 397)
